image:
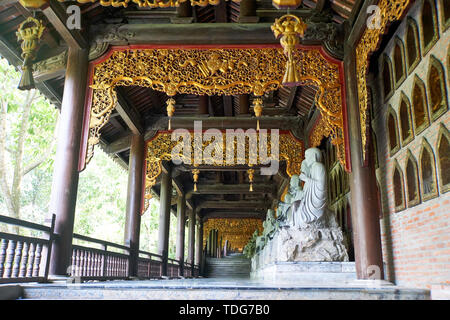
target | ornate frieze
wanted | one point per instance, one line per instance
(213, 72)
(390, 11)
(152, 3)
(161, 148)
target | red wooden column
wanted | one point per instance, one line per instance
(191, 237)
(134, 197)
(365, 205)
(65, 174)
(181, 219)
(164, 216)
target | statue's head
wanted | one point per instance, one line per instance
(313, 155)
(295, 181)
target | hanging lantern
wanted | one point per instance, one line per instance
(250, 173)
(289, 29)
(170, 110)
(257, 108)
(29, 32)
(195, 174)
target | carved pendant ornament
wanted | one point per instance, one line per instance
(213, 72)
(390, 11)
(162, 148)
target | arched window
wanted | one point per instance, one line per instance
(399, 62)
(427, 172)
(405, 120)
(420, 108)
(394, 144)
(397, 180)
(412, 45)
(387, 77)
(430, 31)
(437, 88)
(443, 149)
(412, 181)
(445, 13)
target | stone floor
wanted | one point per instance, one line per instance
(222, 289)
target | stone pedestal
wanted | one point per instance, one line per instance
(305, 273)
(314, 254)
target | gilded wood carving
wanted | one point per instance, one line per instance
(390, 10)
(213, 72)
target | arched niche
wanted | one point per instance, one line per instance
(427, 163)
(406, 128)
(392, 127)
(387, 78)
(421, 119)
(412, 180)
(412, 45)
(437, 90)
(399, 62)
(445, 13)
(443, 156)
(429, 24)
(398, 187)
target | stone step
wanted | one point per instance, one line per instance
(236, 266)
(211, 289)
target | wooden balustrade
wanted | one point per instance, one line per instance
(89, 263)
(23, 258)
(150, 265)
(26, 259)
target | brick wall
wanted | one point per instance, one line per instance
(416, 240)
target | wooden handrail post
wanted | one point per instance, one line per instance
(49, 247)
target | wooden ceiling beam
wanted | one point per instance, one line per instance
(129, 113)
(248, 204)
(231, 189)
(57, 16)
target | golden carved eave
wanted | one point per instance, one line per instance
(213, 71)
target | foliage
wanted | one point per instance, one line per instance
(101, 197)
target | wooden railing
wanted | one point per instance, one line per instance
(102, 263)
(173, 268)
(27, 259)
(149, 265)
(23, 258)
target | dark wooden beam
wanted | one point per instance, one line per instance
(248, 204)
(119, 145)
(290, 103)
(57, 16)
(231, 189)
(233, 214)
(129, 114)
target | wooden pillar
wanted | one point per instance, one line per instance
(199, 242)
(203, 104)
(134, 197)
(65, 174)
(247, 12)
(244, 104)
(191, 236)
(181, 218)
(164, 217)
(364, 201)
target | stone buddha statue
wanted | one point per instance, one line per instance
(310, 204)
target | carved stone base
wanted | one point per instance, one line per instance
(322, 241)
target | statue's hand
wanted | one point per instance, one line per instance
(303, 177)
